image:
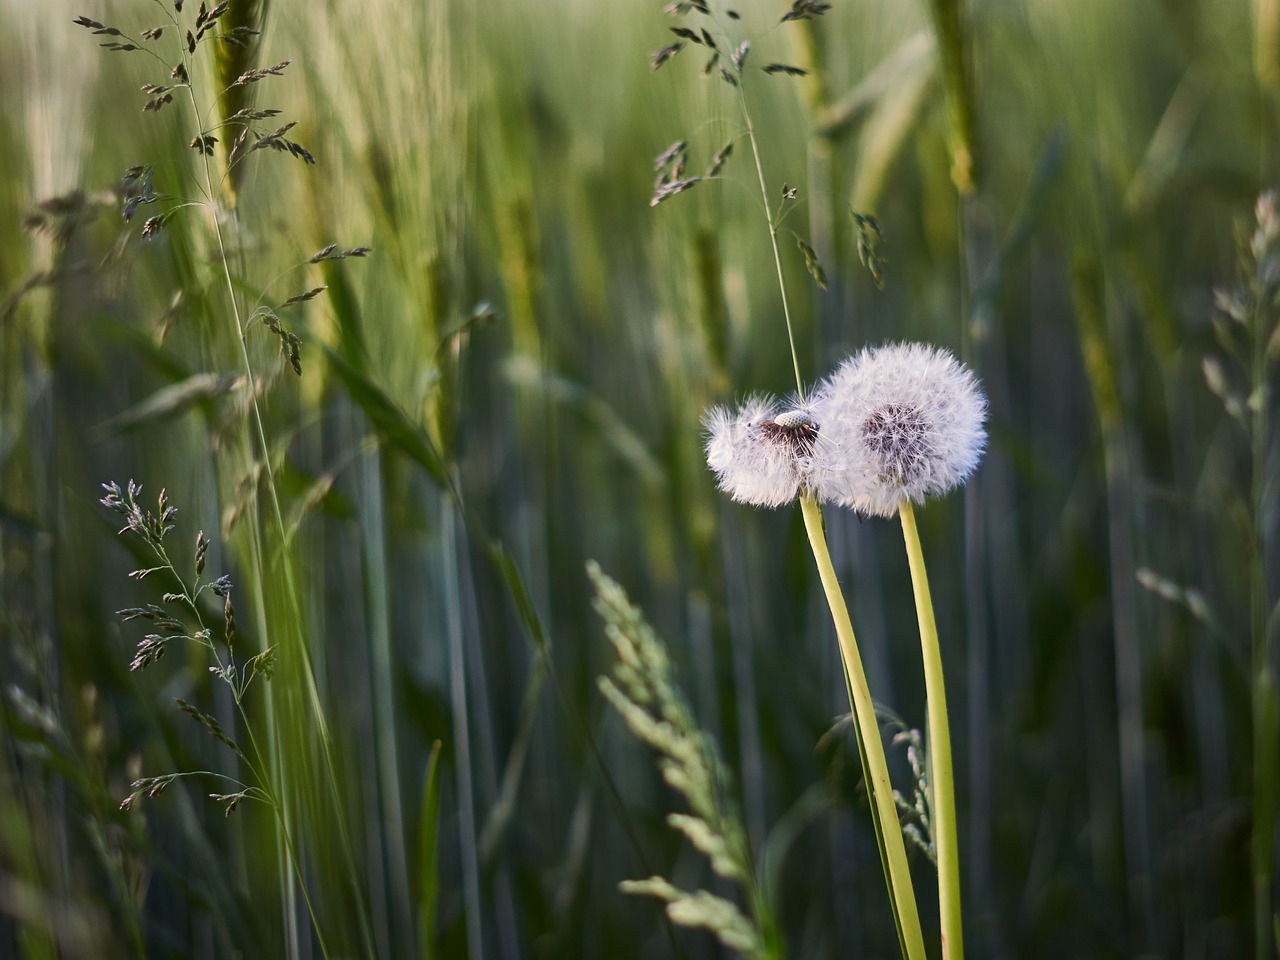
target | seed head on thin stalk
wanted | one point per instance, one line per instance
(762, 452)
(902, 422)
(729, 62)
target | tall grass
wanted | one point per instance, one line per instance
(513, 383)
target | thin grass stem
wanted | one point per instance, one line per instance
(459, 712)
(1266, 756)
(312, 691)
(773, 236)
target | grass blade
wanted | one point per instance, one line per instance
(429, 854)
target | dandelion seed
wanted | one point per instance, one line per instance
(762, 453)
(901, 422)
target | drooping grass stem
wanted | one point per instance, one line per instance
(879, 787)
(941, 772)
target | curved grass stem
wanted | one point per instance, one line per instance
(291, 876)
(883, 808)
(773, 236)
(941, 773)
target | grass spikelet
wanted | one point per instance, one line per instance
(645, 694)
(234, 57)
(703, 910)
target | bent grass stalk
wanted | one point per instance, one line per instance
(879, 787)
(941, 772)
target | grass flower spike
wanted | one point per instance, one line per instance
(902, 422)
(762, 454)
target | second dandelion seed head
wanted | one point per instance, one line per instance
(761, 453)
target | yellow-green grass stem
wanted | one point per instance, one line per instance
(941, 771)
(879, 787)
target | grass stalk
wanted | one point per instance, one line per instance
(879, 787)
(949, 32)
(941, 772)
(395, 914)
(1088, 292)
(459, 715)
(773, 235)
(284, 859)
(293, 876)
(1266, 710)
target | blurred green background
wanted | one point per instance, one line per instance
(512, 383)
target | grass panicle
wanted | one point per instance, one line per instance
(644, 691)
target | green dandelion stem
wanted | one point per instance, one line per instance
(879, 787)
(942, 774)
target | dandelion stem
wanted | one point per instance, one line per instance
(879, 787)
(942, 785)
(773, 237)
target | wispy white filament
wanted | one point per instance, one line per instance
(755, 459)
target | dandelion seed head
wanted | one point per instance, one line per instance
(761, 452)
(901, 421)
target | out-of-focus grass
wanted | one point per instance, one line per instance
(554, 340)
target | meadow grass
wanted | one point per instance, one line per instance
(513, 381)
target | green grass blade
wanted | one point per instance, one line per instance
(407, 437)
(428, 854)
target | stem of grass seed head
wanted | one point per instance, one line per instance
(292, 876)
(941, 773)
(268, 793)
(285, 858)
(1265, 773)
(773, 236)
(879, 787)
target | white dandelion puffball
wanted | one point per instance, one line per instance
(899, 422)
(761, 453)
